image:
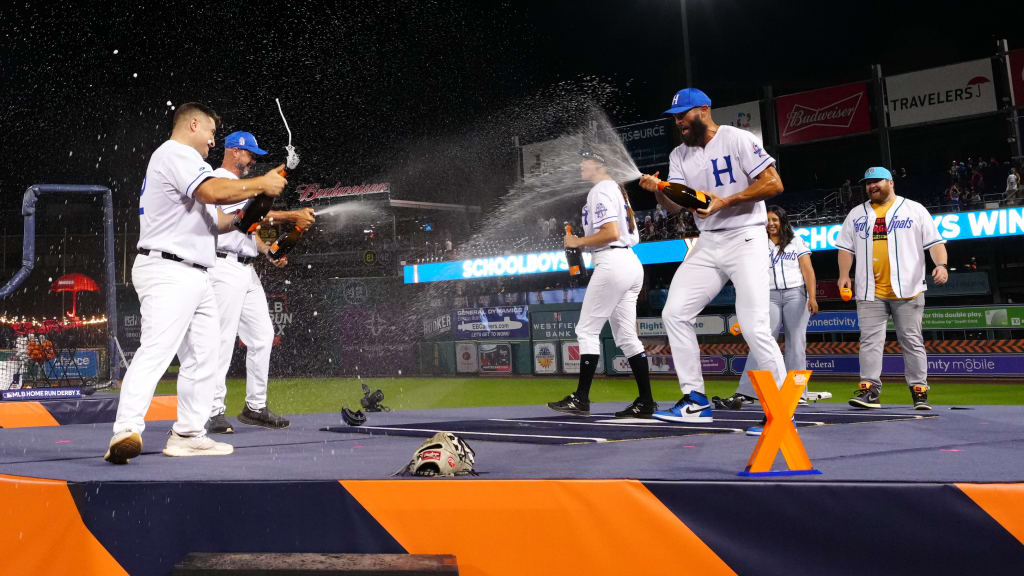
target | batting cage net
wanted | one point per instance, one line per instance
(52, 354)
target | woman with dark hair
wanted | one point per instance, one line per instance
(610, 227)
(793, 301)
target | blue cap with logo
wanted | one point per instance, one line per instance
(243, 141)
(876, 173)
(686, 99)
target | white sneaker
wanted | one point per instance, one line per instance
(196, 446)
(123, 447)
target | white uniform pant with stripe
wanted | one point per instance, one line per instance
(179, 316)
(243, 312)
(717, 257)
(788, 310)
(611, 296)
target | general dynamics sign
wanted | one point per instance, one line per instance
(955, 226)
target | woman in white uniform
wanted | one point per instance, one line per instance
(610, 232)
(793, 301)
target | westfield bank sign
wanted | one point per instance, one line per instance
(826, 113)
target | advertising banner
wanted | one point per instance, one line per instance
(437, 326)
(834, 321)
(940, 364)
(827, 290)
(555, 325)
(310, 192)
(495, 358)
(466, 359)
(825, 113)
(129, 319)
(972, 318)
(706, 325)
(952, 226)
(571, 359)
(648, 143)
(504, 322)
(746, 116)
(376, 340)
(545, 358)
(1017, 76)
(943, 93)
(84, 364)
(280, 316)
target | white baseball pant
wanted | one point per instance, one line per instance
(714, 259)
(179, 316)
(242, 305)
(611, 296)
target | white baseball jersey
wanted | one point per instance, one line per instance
(726, 166)
(235, 241)
(910, 231)
(785, 267)
(171, 220)
(605, 204)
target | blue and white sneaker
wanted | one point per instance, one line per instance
(692, 408)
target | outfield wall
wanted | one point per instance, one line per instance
(541, 340)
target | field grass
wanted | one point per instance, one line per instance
(308, 395)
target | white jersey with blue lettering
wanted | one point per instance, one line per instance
(605, 203)
(235, 241)
(785, 266)
(725, 166)
(171, 219)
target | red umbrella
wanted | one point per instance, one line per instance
(74, 283)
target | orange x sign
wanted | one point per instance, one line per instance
(779, 430)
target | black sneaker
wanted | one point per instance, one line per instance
(638, 409)
(264, 417)
(734, 402)
(571, 405)
(920, 395)
(219, 425)
(867, 396)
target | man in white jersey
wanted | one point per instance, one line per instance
(241, 300)
(730, 166)
(177, 245)
(888, 235)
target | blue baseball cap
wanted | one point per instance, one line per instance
(876, 173)
(686, 99)
(243, 141)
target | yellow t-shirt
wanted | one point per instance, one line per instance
(880, 235)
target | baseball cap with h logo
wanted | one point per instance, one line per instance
(686, 99)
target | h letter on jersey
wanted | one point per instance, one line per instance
(718, 173)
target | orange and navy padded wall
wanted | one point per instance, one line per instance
(518, 527)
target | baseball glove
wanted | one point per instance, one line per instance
(444, 454)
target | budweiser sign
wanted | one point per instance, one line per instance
(838, 114)
(310, 192)
(826, 113)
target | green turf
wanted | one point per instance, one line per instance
(306, 395)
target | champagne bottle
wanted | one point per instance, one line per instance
(252, 213)
(284, 243)
(574, 258)
(684, 195)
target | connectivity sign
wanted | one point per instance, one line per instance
(955, 226)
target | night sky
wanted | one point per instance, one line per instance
(425, 94)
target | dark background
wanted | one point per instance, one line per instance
(428, 94)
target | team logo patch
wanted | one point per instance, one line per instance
(759, 151)
(600, 210)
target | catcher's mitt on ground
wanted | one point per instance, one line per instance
(444, 454)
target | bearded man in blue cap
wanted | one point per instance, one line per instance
(888, 235)
(732, 168)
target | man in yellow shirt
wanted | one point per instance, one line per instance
(888, 235)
